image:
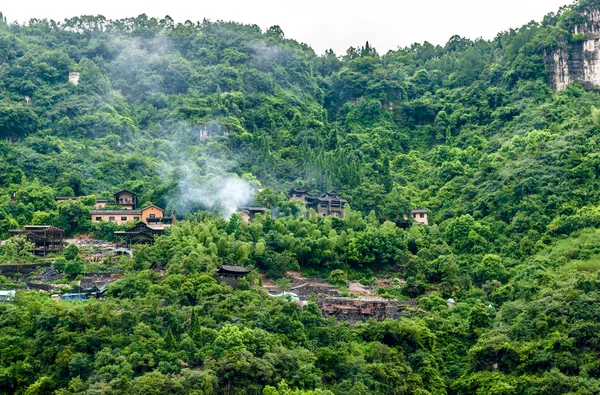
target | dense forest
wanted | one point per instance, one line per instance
(188, 115)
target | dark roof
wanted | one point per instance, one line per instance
(116, 212)
(36, 228)
(124, 190)
(152, 205)
(298, 190)
(233, 269)
(419, 211)
(253, 209)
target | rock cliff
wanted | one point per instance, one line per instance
(580, 60)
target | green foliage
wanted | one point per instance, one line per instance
(508, 169)
(338, 277)
(17, 249)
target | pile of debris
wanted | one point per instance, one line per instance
(47, 275)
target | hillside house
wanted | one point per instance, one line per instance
(420, 216)
(148, 215)
(329, 204)
(46, 239)
(248, 214)
(126, 199)
(230, 275)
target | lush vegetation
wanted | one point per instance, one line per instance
(471, 131)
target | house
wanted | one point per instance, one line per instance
(141, 233)
(420, 216)
(299, 194)
(46, 239)
(150, 215)
(126, 199)
(230, 275)
(329, 204)
(248, 214)
(117, 216)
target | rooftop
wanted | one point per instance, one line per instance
(236, 269)
(116, 212)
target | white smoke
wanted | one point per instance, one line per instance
(264, 54)
(203, 180)
(224, 194)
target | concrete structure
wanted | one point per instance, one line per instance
(126, 199)
(118, 216)
(420, 216)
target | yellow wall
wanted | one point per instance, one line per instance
(117, 217)
(127, 197)
(417, 218)
(99, 205)
(158, 213)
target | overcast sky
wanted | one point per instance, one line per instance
(323, 24)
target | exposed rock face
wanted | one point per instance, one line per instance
(74, 77)
(580, 61)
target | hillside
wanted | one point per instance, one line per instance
(497, 139)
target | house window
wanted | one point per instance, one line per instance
(422, 215)
(152, 215)
(111, 218)
(136, 218)
(123, 218)
(98, 218)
